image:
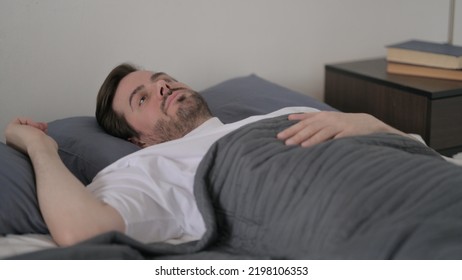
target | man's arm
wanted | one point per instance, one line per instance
(317, 127)
(70, 211)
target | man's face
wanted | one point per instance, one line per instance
(158, 107)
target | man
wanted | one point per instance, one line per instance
(148, 195)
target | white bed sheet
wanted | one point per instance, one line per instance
(13, 244)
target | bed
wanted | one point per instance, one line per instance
(351, 216)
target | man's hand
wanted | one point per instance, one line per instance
(25, 134)
(317, 127)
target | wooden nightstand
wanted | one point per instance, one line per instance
(431, 108)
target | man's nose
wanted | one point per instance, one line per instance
(163, 89)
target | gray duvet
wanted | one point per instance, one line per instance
(379, 196)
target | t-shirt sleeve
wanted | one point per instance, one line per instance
(147, 208)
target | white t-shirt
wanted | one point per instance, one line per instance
(152, 189)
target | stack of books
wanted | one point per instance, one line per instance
(425, 59)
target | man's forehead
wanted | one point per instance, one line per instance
(134, 80)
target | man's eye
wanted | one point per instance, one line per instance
(142, 99)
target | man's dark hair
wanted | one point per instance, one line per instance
(112, 122)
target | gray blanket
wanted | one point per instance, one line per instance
(379, 196)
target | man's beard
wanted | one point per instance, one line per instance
(191, 113)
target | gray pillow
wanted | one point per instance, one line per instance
(85, 149)
(239, 98)
(18, 198)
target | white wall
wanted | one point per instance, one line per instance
(55, 53)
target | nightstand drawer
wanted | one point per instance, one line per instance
(446, 122)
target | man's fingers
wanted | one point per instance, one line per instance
(302, 116)
(26, 121)
(293, 132)
(305, 122)
(320, 136)
(302, 134)
(308, 133)
(289, 132)
(42, 126)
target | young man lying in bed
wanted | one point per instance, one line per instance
(149, 195)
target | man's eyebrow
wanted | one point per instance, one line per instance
(157, 75)
(138, 89)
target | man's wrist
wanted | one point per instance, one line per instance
(43, 145)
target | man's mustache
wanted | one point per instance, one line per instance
(172, 90)
(168, 93)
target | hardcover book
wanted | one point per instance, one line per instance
(426, 54)
(423, 71)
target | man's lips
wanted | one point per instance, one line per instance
(171, 98)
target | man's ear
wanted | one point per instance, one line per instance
(137, 142)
